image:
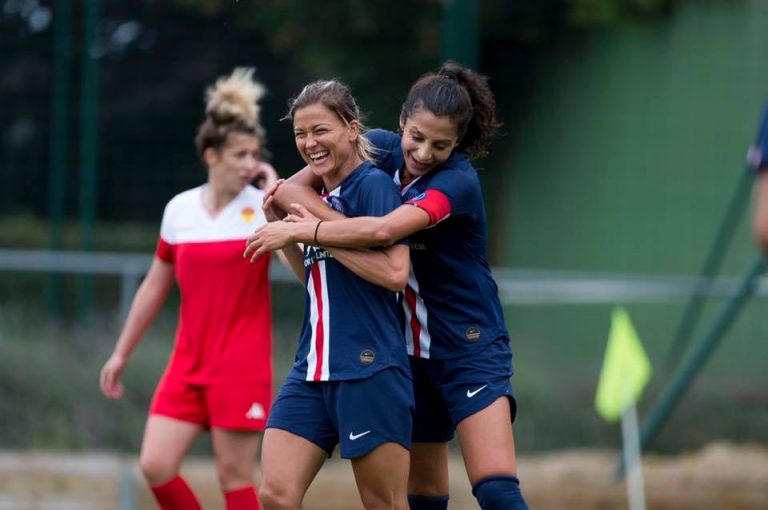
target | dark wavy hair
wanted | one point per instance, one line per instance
(462, 95)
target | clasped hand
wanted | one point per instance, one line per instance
(282, 228)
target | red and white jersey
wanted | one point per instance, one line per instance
(224, 333)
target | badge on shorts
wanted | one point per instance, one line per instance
(367, 357)
(472, 333)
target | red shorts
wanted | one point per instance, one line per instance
(238, 406)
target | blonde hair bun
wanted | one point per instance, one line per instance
(235, 98)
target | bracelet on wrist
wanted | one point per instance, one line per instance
(317, 243)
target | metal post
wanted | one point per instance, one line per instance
(59, 142)
(460, 31)
(127, 487)
(701, 352)
(725, 232)
(698, 356)
(89, 141)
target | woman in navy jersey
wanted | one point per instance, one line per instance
(350, 383)
(219, 376)
(454, 326)
(757, 158)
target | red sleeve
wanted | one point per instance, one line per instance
(434, 203)
(165, 251)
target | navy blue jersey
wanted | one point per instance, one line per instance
(451, 302)
(351, 327)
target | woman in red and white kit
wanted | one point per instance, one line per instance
(219, 376)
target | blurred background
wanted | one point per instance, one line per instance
(626, 124)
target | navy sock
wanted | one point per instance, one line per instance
(427, 502)
(499, 493)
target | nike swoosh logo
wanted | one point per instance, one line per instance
(472, 393)
(353, 436)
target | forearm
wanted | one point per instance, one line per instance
(387, 268)
(146, 304)
(294, 258)
(362, 231)
(371, 230)
(143, 310)
(760, 211)
(289, 193)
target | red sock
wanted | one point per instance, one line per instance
(242, 499)
(176, 495)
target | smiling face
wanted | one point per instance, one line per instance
(427, 142)
(233, 166)
(326, 143)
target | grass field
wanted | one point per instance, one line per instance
(570, 479)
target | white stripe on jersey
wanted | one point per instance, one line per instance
(424, 339)
(319, 345)
(320, 326)
(326, 372)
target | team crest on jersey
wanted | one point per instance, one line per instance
(413, 194)
(247, 213)
(336, 202)
(367, 357)
(472, 334)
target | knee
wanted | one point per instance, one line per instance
(499, 493)
(383, 501)
(275, 498)
(234, 474)
(427, 487)
(157, 469)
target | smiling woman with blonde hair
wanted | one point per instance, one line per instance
(350, 384)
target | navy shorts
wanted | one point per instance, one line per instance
(359, 415)
(449, 390)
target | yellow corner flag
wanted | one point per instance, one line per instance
(626, 369)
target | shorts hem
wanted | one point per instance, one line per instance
(178, 418)
(312, 440)
(469, 411)
(239, 428)
(360, 452)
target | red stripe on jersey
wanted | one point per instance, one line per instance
(319, 329)
(434, 203)
(165, 251)
(410, 298)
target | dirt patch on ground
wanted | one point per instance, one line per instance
(721, 476)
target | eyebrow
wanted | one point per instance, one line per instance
(415, 130)
(314, 126)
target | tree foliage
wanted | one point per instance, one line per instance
(156, 58)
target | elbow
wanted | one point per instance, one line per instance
(399, 278)
(281, 196)
(760, 233)
(383, 235)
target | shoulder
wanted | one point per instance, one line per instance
(383, 139)
(459, 170)
(460, 163)
(252, 194)
(371, 175)
(185, 199)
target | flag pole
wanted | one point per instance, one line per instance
(633, 459)
(626, 371)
